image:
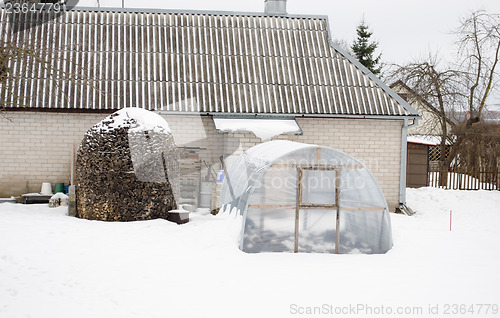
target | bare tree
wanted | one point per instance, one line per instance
(438, 87)
(20, 60)
(10, 54)
(23, 58)
(343, 45)
(479, 47)
(468, 84)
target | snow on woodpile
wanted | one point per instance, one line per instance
(139, 119)
(127, 168)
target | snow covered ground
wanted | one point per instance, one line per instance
(52, 265)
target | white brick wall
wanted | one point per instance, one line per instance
(36, 146)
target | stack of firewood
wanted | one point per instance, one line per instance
(125, 174)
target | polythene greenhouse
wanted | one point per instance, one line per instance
(296, 197)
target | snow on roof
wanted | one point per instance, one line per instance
(262, 128)
(144, 120)
(425, 140)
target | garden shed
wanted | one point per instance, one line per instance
(296, 197)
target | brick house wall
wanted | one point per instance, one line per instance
(36, 146)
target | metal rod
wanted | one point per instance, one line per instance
(403, 163)
(226, 175)
(337, 203)
(297, 210)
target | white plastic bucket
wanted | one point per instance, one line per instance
(46, 188)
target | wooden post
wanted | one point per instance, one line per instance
(498, 173)
(73, 164)
(450, 220)
(72, 201)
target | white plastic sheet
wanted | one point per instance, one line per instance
(264, 185)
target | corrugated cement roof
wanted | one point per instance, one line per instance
(189, 62)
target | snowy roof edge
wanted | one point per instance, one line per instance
(191, 11)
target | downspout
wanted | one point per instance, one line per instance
(404, 155)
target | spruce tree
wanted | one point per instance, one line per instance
(364, 49)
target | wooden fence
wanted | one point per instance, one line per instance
(475, 179)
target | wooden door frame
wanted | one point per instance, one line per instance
(301, 205)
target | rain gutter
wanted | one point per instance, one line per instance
(404, 158)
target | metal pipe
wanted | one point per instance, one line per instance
(404, 157)
(226, 175)
(284, 116)
(402, 175)
(337, 203)
(298, 199)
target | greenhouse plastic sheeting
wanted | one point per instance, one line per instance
(306, 198)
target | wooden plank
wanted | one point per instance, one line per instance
(476, 179)
(300, 176)
(453, 182)
(364, 208)
(317, 206)
(317, 167)
(271, 206)
(417, 167)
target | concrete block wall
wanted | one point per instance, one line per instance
(377, 143)
(36, 146)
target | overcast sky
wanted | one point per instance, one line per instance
(405, 30)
